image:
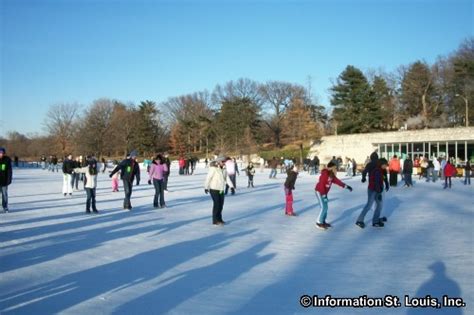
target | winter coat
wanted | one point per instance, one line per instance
(291, 180)
(91, 180)
(129, 169)
(449, 170)
(168, 166)
(325, 182)
(5, 171)
(182, 163)
(371, 165)
(250, 171)
(376, 179)
(436, 165)
(157, 171)
(217, 179)
(68, 166)
(467, 167)
(408, 167)
(394, 165)
(273, 163)
(230, 167)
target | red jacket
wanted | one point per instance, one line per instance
(325, 182)
(449, 170)
(394, 165)
(182, 162)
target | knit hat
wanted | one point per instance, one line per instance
(2, 149)
(133, 153)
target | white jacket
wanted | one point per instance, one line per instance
(230, 167)
(91, 180)
(216, 179)
(436, 165)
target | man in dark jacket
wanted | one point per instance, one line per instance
(374, 193)
(129, 169)
(408, 171)
(5, 177)
(68, 170)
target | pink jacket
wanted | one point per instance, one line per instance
(156, 171)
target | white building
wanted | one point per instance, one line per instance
(448, 142)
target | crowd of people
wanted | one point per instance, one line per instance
(222, 172)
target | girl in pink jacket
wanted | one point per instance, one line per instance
(156, 175)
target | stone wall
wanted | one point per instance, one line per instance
(359, 146)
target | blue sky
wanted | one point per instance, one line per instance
(77, 51)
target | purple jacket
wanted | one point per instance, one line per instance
(156, 171)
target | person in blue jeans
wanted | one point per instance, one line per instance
(5, 177)
(467, 173)
(374, 194)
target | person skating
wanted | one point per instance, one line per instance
(104, 165)
(273, 163)
(354, 167)
(349, 167)
(374, 193)
(394, 170)
(289, 186)
(115, 181)
(166, 174)
(436, 169)
(129, 170)
(90, 171)
(156, 176)
(327, 178)
(408, 171)
(76, 176)
(54, 161)
(230, 167)
(6, 176)
(250, 170)
(68, 172)
(215, 184)
(467, 173)
(449, 171)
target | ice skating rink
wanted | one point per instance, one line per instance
(56, 259)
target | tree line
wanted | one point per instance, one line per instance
(245, 116)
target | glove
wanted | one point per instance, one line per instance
(206, 191)
(110, 175)
(149, 182)
(348, 187)
(363, 179)
(379, 197)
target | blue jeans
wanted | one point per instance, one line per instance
(467, 177)
(4, 197)
(127, 188)
(408, 179)
(372, 196)
(273, 173)
(323, 203)
(90, 192)
(159, 192)
(435, 175)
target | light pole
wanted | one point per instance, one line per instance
(467, 108)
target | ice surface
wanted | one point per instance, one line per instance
(56, 259)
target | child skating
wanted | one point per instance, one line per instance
(250, 170)
(327, 178)
(90, 172)
(289, 187)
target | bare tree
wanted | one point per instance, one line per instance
(243, 88)
(60, 124)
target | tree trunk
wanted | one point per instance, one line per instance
(301, 153)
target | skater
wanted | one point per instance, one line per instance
(443, 165)
(289, 187)
(90, 172)
(77, 163)
(394, 170)
(181, 164)
(156, 175)
(407, 172)
(467, 173)
(54, 161)
(449, 171)
(349, 167)
(115, 181)
(327, 178)
(6, 176)
(273, 166)
(129, 170)
(429, 170)
(68, 170)
(43, 162)
(436, 169)
(104, 165)
(250, 170)
(215, 184)
(374, 193)
(166, 174)
(230, 167)
(423, 166)
(354, 167)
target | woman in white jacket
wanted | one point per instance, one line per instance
(215, 184)
(91, 183)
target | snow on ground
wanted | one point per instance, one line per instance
(56, 259)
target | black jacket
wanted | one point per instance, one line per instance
(68, 166)
(291, 180)
(168, 163)
(5, 171)
(408, 167)
(129, 169)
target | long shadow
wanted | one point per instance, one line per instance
(57, 295)
(437, 286)
(193, 282)
(62, 245)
